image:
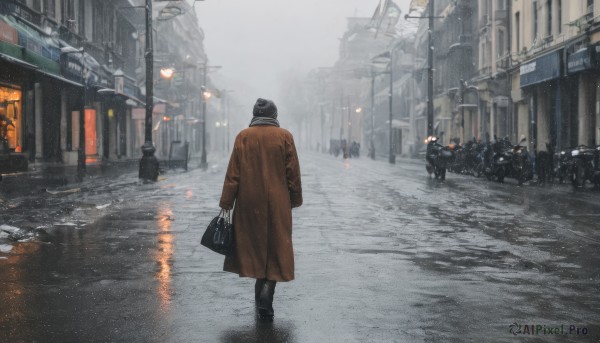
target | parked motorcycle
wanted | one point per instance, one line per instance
(438, 158)
(510, 161)
(483, 160)
(564, 168)
(470, 157)
(457, 164)
(583, 167)
(497, 160)
(522, 168)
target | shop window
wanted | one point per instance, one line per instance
(90, 132)
(11, 118)
(50, 8)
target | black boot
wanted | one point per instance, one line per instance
(265, 301)
(257, 288)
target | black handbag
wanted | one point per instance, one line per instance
(219, 235)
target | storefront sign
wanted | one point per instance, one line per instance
(543, 68)
(72, 67)
(578, 61)
(129, 88)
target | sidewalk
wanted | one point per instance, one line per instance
(46, 175)
(52, 175)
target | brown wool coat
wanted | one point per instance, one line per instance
(263, 179)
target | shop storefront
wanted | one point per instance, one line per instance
(540, 80)
(582, 70)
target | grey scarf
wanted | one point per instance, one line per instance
(264, 121)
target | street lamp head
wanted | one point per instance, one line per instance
(206, 94)
(358, 110)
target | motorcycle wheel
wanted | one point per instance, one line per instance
(561, 175)
(429, 169)
(479, 170)
(521, 177)
(579, 174)
(500, 175)
(596, 179)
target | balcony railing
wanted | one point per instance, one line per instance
(23, 11)
(503, 63)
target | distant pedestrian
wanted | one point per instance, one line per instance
(263, 182)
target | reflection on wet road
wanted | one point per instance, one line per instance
(164, 253)
(383, 253)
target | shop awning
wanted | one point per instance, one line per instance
(59, 78)
(110, 91)
(544, 68)
(17, 61)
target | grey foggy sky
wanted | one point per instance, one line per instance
(256, 40)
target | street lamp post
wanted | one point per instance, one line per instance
(149, 164)
(205, 96)
(462, 87)
(226, 92)
(322, 128)
(372, 142)
(431, 16)
(392, 157)
(348, 124)
(430, 71)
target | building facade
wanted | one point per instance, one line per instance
(58, 58)
(554, 77)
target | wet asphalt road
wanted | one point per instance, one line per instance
(383, 253)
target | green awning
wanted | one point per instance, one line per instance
(12, 50)
(42, 62)
(36, 48)
(17, 61)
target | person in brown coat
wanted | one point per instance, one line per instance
(263, 182)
